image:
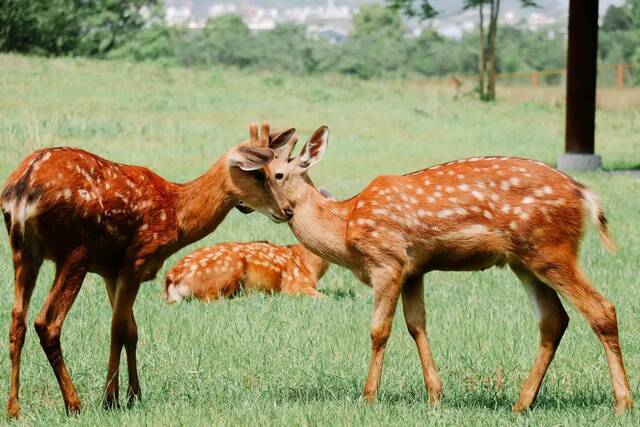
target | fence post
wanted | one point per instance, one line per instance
(619, 76)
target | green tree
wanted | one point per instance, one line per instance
(59, 27)
(290, 38)
(616, 19)
(107, 24)
(376, 45)
(224, 40)
(156, 41)
(39, 26)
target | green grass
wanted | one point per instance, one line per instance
(277, 360)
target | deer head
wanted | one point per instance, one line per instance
(252, 177)
(290, 173)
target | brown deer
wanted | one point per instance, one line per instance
(469, 214)
(456, 83)
(220, 271)
(88, 214)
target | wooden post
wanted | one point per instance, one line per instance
(619, 76)
(581, 86)
(535, 78)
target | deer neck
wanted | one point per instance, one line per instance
(320, 224)
(203, 203)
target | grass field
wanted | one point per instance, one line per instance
(276, 360)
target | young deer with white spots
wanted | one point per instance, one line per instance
(88, 214)
(470, 214)
(222, 270)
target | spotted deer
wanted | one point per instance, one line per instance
(88, 214)
(220, 271)
(465, 215)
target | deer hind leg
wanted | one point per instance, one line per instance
(124, 333)
(133, 391)
(386, 290)
(414, 317)
(563, 274)
(552, 321)
(69, 277)
(26, 266)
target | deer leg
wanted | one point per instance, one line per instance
(386, 291)
(26, 268)
(414, 317)
(124, 333)
(552, 321)
(133, 391)
(110, 284)
(566, 278)
(69, 277)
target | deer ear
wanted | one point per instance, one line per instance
(314, 149)
(278, 139)
(250, 158)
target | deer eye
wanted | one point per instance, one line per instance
(279, 176)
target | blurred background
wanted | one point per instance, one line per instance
(437, 40)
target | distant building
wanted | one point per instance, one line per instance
(333, 22)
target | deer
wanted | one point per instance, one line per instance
(91, 215)
(465, 215)
(221, 271)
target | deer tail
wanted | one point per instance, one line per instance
(592, 205)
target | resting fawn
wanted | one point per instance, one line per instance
(469, 214)
(222, 270)
(88, 214)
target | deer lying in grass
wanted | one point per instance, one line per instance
(470, 214)
(88, 214)
(221, 270)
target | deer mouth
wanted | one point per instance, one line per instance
(243, 208)
(276, 218)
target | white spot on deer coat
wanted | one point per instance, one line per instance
(477, 195)
(445, 213)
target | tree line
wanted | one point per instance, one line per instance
(377, 46)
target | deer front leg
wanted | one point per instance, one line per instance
(414, 317)
(386, 290)
(124, 333)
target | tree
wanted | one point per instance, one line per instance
(107, 24)
(485, 62)
(616, 19)
(60, 27)
(376, 45)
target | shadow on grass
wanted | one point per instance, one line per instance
(623, 170)
(578, 399)
(338, 293)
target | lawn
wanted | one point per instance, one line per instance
(275, 360)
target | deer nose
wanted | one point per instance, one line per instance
(288, 212)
